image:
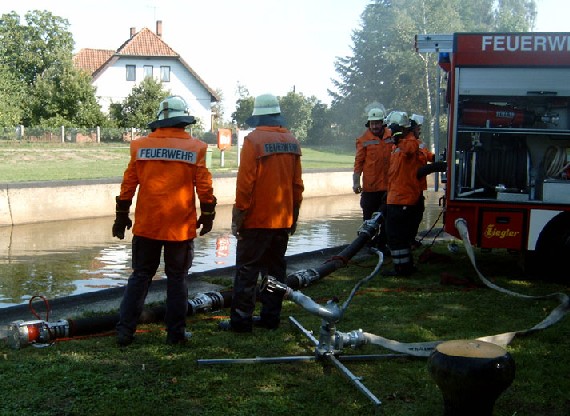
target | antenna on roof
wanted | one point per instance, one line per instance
(153, 7)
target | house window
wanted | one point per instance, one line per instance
(165, 73)
(148, 71)
(131, 72)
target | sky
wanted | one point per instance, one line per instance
(267, 46)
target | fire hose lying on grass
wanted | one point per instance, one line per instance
(337, 340)
(42, 333)
(329, 345)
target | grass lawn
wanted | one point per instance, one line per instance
(41, 162)
(92, 376)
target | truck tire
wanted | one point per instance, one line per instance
(550, 261)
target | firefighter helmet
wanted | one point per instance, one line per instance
(399, 118)
(417, 119)
(376, 114)
(172, 112)
(265, 104)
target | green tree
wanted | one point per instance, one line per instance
(38, 57)
(64, 96)
(139, 107)
(12, 99)
(218, 111)
(515, 15)
(244, 107)
(29, 49)
(478, 15)
(385, 67)
(365, 76)
(321, 131)
(296, 110)
(412, 87)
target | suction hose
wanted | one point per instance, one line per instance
(366, 232)
(42, 333)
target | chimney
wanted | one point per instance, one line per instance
(133, 31)
(159, 28)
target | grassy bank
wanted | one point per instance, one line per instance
(40, 162)
(92, 376)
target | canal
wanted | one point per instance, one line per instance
(63, 258)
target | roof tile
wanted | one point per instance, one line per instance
(91, 60)
(146, 43)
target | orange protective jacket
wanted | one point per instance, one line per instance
(372, 160)
(269, 184)
(424, 156)
(404, 186)
(169, 167)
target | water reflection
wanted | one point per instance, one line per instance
(65, 258)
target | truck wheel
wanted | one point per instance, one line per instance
(553, 250)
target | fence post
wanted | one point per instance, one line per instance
(62, 134)
(98, 134)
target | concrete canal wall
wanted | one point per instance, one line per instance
(26, 203)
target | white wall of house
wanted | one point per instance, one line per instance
(113, 87)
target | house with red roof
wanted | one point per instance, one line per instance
(146, 54)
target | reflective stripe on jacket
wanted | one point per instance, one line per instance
(168, 166)
(404, 186)
(269, 183)
(372, 159)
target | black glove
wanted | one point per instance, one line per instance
(295, 218)
(397, 136)
(238, 217)
(431, 168)
(207, 215)
(122, 220)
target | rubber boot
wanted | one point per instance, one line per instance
(403, 270)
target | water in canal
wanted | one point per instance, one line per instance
(64, 258)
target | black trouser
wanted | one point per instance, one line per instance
(259, 251)
(178, 256)
(418, 216)
(400, 226)
(372, 202)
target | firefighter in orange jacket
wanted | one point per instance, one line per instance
(424, 156)
(269, 191)
(372, 159)
(168, 167)
(403, 193)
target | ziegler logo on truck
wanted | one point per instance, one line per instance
(525, 43)
(492, 232)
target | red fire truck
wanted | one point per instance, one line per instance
(508, 145)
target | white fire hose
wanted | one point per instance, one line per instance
(424, 349)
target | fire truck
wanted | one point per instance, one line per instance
(508, 142)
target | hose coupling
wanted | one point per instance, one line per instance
(370, 227)
(302, 278)
(206, 302)
(272, 285)
(352, 339)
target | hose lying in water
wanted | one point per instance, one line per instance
(40, 333)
